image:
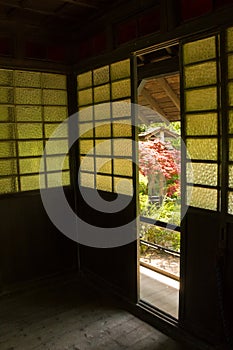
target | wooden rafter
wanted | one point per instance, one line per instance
(154, 105)
(171, 94)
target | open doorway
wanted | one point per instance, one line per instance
(159, 179)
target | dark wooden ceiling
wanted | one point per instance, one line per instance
(53, 14)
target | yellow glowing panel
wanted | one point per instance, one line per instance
(230, 39)
(121, 109)
(202, 124)
(65, 178)
(29, 183)
(86, 146)
(60, 131)
(102, 111)
(122, 147)
(57, 147)
(123, 167)
(85, 114)
(6, 77)
(53, 81)
(230, 148)
(121, 89)
(230, 122)
(86, 130)
(8, 185)
(101, 75)
(205, 198)
(230, 176)
(25, 96)
(28, 113)
(104, 165)
(103, 147)
(199, 50)
(230, 66)
(104, 183)
(102, 93)
(203, 174)
(8, 167)
(123, 186)
(200, 75)
(122, 129)
(54, 163)
(29, 165)
(27, 79)
(102, 130)
(201, 99)
(6, 95)
(206, 149)
(120, 70)
(55, 114)
(86, 180)
(85, 97)
(230, 203)
(7, 131)
(7, 149)
(29, 131)
(6, 113)
(230, 92)
(54, 97)
(87, 164)
(84, 80)
(30, 148)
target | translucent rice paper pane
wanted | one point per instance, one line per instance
(122, 128)
(7, 131)
(200, 75)
(206, 149)
(230, 148)
(87, 180)
(86, 146)
(101, 75)
(104, 165)
(8, 185)
(201, 99)
(123, 186)
(7, 149)
(230, 92)
(86, 130)
(202, 124)
(57, 147)
(29, 131)
(25, 96)
(56, 163)
(60, 132)
(8, 167)
(27, 79)
(203, 174)
(123, 167)
(121, 89)
(29, 165)
(121, 109)
(85, 114)
(66, 178)
(120, 70)
(205, 198)
(199, 50)
(30, 148)
(28, 113)
(230, 39)
(29, 183)
(230, 203)
(230, 122)
(6, 77)
(85, 97)
(122, 147)
(87, 164)
(6, 95)
(103, 147)
(55, 114)
(6, 114)
(84, 80)
(102, 111)
(53, 81)
(54, 97)
(102, 93)
(102, 130)
(104, 183)
(230, 66)
(230, 176)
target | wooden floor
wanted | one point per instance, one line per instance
(160, 291)
(64, 314)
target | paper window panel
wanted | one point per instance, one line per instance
(24, 96)
(6, 77)
(27, 79)
(57, 147)
(204, 198)
(120, 70)
(30, 148)
(84, 80)
(104, 183)
(121, 89)
(85, 97)
(203, 174)
(123, 167)
(54, 97)
(102, 111)
(230, 176)
(7, 131)
(55, 114)
(200, 74)
(122, 147)
(29, 183)
(199, 50)
(28, 113)
(56, 130)
(29, 165)
(102, 93)
(102, 130)
(8, 185)
(103, 165)
(103, 147)
(86, 146)
(53, 81)
(101, 75)
(231, 148)
(65, 178)
(123, 186)
(86, 180)
(122, 128)
(6, 95)
(202, 124)
(8, 167)
(230, 39)
(29, 131)
(121, 109)
(6, 114)
(7, 149)
(57, 163)
(87, 163)
(85, 114)
(201, 99)
(86, 130)
(206, 149)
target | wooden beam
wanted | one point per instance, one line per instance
(154, 105)
(171, 94)
(81, 3)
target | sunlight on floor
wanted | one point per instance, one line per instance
(159, 277)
